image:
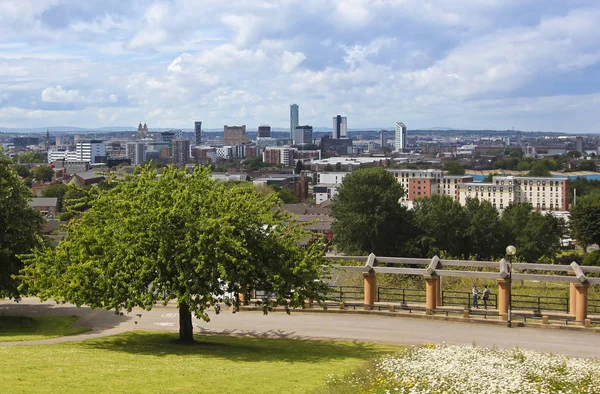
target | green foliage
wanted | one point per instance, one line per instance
(592, 259)
(574, 154)
(43, 173)
(515, 152)
(539, 169)
(182, 237)
(286, 195)
(586, 165)
(583, 187)
(31, 157)
(57, 190)
(255, 163)
(585, 220)
(368, 217)
(533, 234)
(484, 232)
(19, 225)
(23, 170)
(453, 167)
(523, 166)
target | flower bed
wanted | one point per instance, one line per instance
(470, 369)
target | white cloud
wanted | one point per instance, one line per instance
(59, 95)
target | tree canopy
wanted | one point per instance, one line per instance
(19, 224)
(178, 237)
(43, 173)
(585, 220)
(454, 168)
(368, 217)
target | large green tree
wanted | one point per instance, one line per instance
(57, 190)
(442, 225)
(43, 173)
(453, 167)
(178, 237)
(19, 224)
(484, 233)
(585, 220)
(368, 217)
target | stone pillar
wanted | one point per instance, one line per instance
(438, 292)
(430, 294)
(370, 289)
(503, 289)
(572, 299)
(581, 302)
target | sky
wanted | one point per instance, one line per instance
(491, 64)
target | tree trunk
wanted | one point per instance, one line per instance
(186, 334)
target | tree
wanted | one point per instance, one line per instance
(585, 220)
(178, 237)
(533, 234)
(368, 217)
(19, 225)
(31, 157)
(484, 233)
(43, 173)
(285, 194)
(454, 168)
(23, 170)
(586, 165)
(442, 225)
(539, 169)
(299, 167)
(57, 190)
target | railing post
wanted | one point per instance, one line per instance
(370, 286)
(404, 296)
(539, 309)
(378, 295)
(503, 298)
(581, 303)
(469, 300)
(430, 292)
(438, 292)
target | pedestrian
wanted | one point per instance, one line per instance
(486, 296)
(475, 296)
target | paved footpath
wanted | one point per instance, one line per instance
(393, 330)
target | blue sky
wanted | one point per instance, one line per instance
(453, 63)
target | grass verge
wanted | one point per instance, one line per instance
(147, 362)
(28, 328)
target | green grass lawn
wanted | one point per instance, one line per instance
(28, 328)
(147, 362)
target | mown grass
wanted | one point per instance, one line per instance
(28, 328)
(147, 362)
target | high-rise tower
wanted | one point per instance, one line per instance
(400, 142)
(198, 133)
(340, 127)
(294, 119)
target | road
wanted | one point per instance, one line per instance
(393, 330)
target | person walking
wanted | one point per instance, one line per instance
(485, 296)
(475, 296)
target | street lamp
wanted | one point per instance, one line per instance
(510, 252)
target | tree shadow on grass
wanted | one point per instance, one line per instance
(241, 346)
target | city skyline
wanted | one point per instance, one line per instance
(483, 65)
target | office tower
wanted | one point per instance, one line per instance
(93, 151)
(181, 151)
(340, 127)
(303, 135)
(198, 133)
(579, 144)
(234, 135)
(167, 136)
(383, 138)
(294, 119)
(264, 131)
(136, 152)
(400, 142)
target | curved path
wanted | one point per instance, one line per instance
(394, 330)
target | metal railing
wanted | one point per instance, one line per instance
(465, 298)
(345, 293)
(400, 295)
(540, 303)
(594, 306)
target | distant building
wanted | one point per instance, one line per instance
(264, 131)
(383, 138)
(279, 155)
(181, 151)
(303, 135)
(331, 178)
(86, 178)
(198, 133)
(336, 146)
(91, 152)
(167, 136)
(340, 127)
(234, 135)
(142, 131)
(25, 141)
(579, 144)
(47, 206)
(324, 192)
(400, 142)
(136, 152)
(294, 119)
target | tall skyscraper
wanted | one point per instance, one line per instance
(181, 151)
(400, 143)
(383, 138)
(198, 133)
(136, 152)
(264, 131)
(303, 135)
(294, 119)
(234, 135)
(340, 127)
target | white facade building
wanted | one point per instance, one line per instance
(324, 192)
(91, 152)
(340, 127)
(400, 142)
(331, 178)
